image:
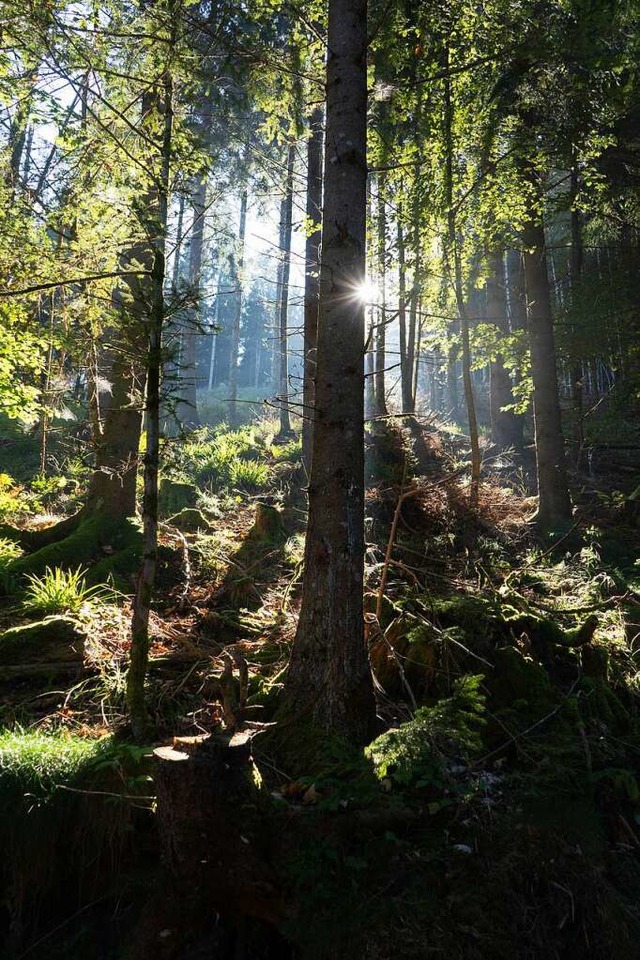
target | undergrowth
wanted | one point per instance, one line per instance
(495, 815)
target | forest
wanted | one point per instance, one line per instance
(319, 479)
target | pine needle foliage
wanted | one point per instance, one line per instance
(414, 754)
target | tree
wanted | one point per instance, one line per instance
(329, 679)
(311, 278)
(159, 115)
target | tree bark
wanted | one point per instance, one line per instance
(329, 679)
(157, 228)
(454, 253)
(381, 333)
(312, 280)
(186, 407)
(576, 371)
(554, 505)
(237, 268)
(409, 403)
(506, 426)
(112, 488)
(286, 224)
(18, 130)
(405, 367)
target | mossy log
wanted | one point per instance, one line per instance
(544, 634)
(36, 539)
(518, 680)
(44, 671)
(54, 639)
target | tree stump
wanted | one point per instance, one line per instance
(212, 826)
(267, 523)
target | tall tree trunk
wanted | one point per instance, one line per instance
(576, 372)
(171, 335)
(506, 426)
(554, 506)
(454, 253)
(405, 366)
(186, 407)
(237, 269)
(312, 280)
(381, 333)
(286, 226)
(214, 333)
(157, 226)
(416, 239)
(329, 679)
(112, 488)
(18, 130)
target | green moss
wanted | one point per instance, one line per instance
(175, 495)
(190, 520)
(416, 752)
(53, 639)
(517, 680)
(98, 537)
(39, 763)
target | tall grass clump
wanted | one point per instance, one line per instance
(58, 591)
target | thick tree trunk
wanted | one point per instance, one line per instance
(211, 828)
(506, 426)
(329, 680)
(554, 505)
(312, 280)
(237, 269)
(112, 488)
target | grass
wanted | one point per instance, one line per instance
(223, 460)
(58, 591)
(38, 762)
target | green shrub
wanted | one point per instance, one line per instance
(287, 452)
(10, 501)
(414, 754)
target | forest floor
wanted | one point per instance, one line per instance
(496, 815)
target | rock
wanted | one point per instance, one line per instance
(174, 496)
(190, 520)
(58, 638)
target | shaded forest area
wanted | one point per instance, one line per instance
(319, 456)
